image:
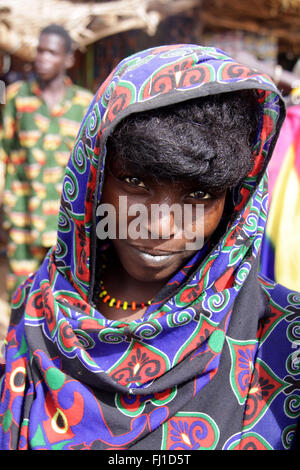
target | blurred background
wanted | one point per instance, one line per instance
(107, 31)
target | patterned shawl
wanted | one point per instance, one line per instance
(211, 365)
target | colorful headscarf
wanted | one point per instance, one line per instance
(210, 364)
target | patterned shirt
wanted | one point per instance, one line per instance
(36, 145)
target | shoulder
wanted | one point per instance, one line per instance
(81, 90)
(14, 89)
(279, 324)
(20, 300)
(271, 408)
(287, 299)
(81, 95)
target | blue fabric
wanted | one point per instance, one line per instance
(209, 367)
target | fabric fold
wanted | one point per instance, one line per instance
(194, 372)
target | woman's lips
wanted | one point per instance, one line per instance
(154, 258)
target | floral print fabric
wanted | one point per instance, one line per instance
(212, 366)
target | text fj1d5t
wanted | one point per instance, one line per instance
(153, 460)
(170, 459)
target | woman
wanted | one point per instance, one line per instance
(160, 335)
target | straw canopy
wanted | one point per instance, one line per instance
(89, 21)
(279, 18)
(22, 20)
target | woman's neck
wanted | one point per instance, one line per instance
(119, 285)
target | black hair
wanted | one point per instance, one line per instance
(209, 140)
(59, 30)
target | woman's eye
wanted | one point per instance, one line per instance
(134, 181)
(200, 195)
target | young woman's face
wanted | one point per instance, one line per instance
(169, 240)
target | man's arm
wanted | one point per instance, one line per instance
(8, 136)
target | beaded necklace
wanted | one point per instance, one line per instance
(106, 298)
(113, 302)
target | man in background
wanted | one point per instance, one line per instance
(41, 119)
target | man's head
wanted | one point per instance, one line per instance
(54, 53)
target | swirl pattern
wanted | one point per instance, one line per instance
(199, 370)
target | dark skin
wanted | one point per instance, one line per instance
(51, 64)
(137, 277)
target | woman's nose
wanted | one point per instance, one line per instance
(164, 221)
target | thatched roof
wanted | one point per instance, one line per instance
(88, 21)
(279, 18)
(21, 20)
